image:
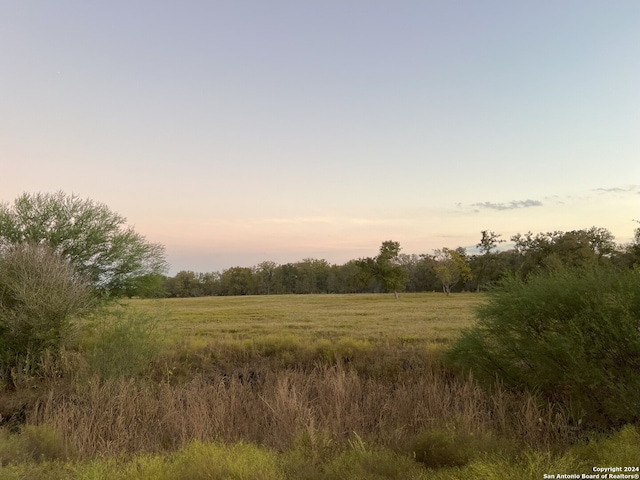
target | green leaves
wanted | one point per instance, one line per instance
(451, 267)
(385, 269)
(94, 239)
(572, 334)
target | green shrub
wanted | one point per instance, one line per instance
(571, 335)
(126, 343)
(621, 448)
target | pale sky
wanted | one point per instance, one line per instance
(234, 132)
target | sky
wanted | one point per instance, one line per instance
(234, 132)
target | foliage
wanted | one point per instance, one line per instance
(451, 267)
(126, 342)
(394, 271)
(40, 293)
(87, 233)
(236, 281)
(385, 269)
(572, 335)
(151, 285)
(632, 251)
(577, 248)
(488, 242)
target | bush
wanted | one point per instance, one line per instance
(571, 335)
(127, 343)
(40, 293)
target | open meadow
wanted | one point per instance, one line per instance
(300, 330)
(291, 387)
(428, 318)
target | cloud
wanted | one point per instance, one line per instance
(555, 199)
(610, 190)
(297, 220)
(512, 205)
(630, 188)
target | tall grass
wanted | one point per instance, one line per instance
(303, 403)
(124, 415)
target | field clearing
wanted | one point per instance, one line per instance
(305, 387)
(425, 318)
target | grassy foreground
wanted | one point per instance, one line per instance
(291, 387)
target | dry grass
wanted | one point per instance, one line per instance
(330, 386)
(431, 318)
(123, 415)
(308, 372)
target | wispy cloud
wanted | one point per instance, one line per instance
(556, 199)
(297, 220)
(512, 205)
(627, 189)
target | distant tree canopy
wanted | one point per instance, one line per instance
(451, 267)
(385, 270)
(448, 270)
(488, 242)
(101, 248)
(577, 248)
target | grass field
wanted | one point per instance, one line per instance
(370, 332)
(290, 387)
(430, 318)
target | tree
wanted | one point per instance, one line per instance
(385, 269)
(96, 240)
(237, 281)
(451, 267)
(151, 285)
(266, 275)
(40, 293)
(184, 284)
(552, 250)
(488, 242)
(313, 275)
(345, 278)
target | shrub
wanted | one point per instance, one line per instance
(127, 343)
(571, 335)
(40, 293)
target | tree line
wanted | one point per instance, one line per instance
(448, 270)
(116, 261)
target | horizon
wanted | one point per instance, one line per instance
(239, 133)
